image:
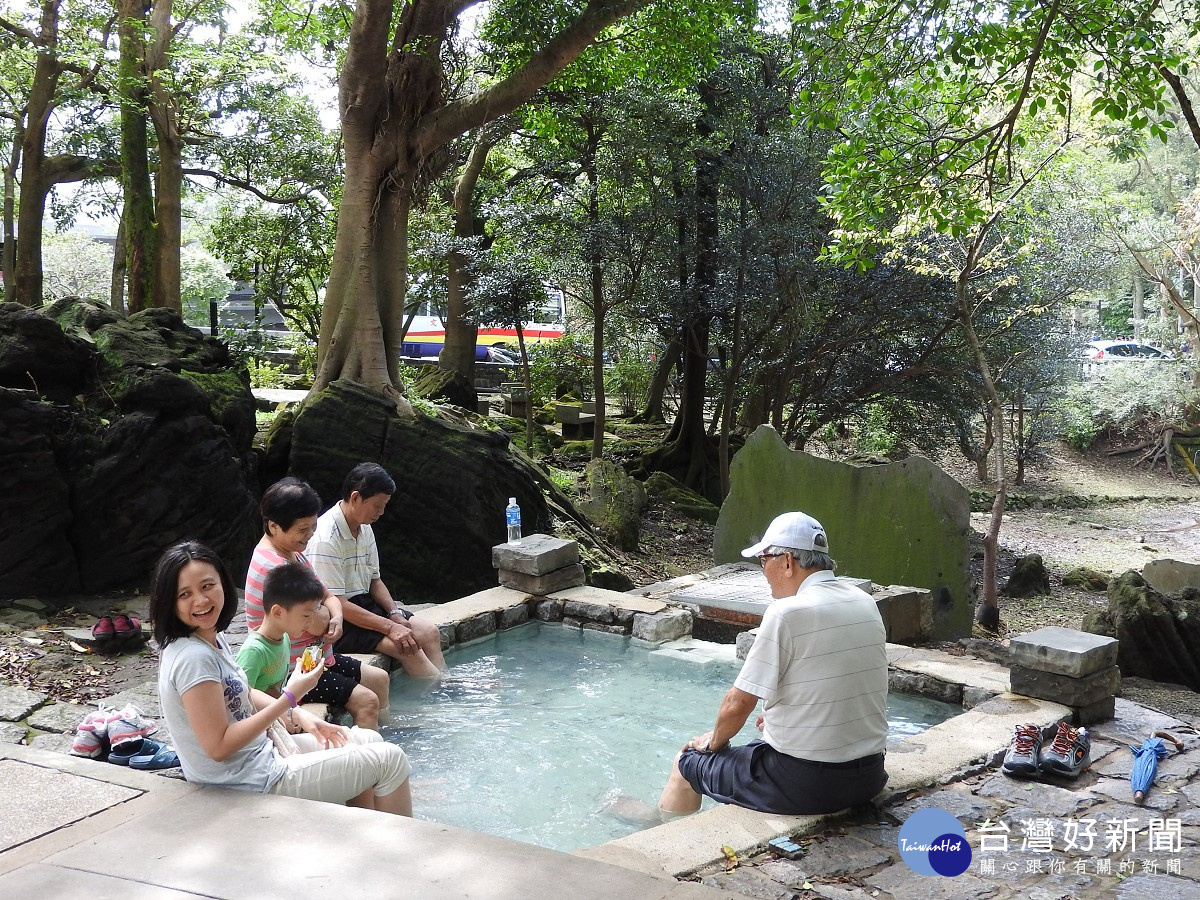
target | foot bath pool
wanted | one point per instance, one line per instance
(551, 735)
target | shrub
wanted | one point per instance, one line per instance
(1126, 398)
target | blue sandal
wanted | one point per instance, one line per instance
(126, 751)
(162, 757)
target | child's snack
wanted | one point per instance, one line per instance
(311, 658)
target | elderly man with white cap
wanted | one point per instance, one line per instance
(820, 667)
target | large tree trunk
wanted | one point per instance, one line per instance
(168, 182)
(458, 350)
(395, 125)
(35, 185)
(8, 263)
(135, 157)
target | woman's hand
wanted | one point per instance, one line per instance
(326, 732)
(302, 682)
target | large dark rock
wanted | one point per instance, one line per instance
(176, 478)
(35, 500)
(36, 354)
(1028, 579)
(1159, 635)
(137, 434)
(452, 485)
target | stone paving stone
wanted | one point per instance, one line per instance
(961, 804)
(1050, 800)
(1119, 789)
(1015, 869)
(1148, 886)
(63, 718)
(748, 884)
(838, 855)
(1062, 884)
(75, 797)
(840, 891)
(11, 733)
(902, 882)
(17, 703)
(55, 743)
(1134, 723)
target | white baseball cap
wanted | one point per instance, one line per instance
(795, 530)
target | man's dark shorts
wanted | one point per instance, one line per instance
(336, 683)
(757, 776)
(356, 639)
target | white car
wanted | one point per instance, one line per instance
(1105, 351)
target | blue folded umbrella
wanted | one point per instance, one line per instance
(1145, 766)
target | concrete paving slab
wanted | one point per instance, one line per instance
(210, 829)
(57, 881)
(27, 813)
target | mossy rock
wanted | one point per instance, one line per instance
(1088, 579)
(576, 449)
(661, 486)
(1159, 634)
(443, 386)
(1029, 578)
(231, 404)
(545, 441)
(37, 354)
(616, 503)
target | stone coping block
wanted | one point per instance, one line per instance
(492, 600)
(537, 554)
(1100, 711)
(1063, 689)
(588, 594)
(963, 670)
(1063, 651)
(548, 583)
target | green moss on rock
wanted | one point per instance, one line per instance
(661, 486)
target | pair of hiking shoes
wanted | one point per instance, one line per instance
(1067, 754)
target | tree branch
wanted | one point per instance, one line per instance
(1185, 102)
(456, 118)
(285, 200)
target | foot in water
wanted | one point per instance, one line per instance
(632, 810)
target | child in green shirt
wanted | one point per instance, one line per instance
(290, 597)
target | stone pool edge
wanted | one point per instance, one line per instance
(683, 846)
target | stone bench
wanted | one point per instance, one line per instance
(516, 398)
(577, 424)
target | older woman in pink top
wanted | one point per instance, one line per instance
(289, 509)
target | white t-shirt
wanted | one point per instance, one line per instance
(819, 664)
(187, 662)
(345, 564)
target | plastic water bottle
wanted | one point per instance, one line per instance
(512, 515)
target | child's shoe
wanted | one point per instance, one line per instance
(1022, 758)
(87, 744)
(131, 725)
(1068, 754)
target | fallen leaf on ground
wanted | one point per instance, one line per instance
(78, 648)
